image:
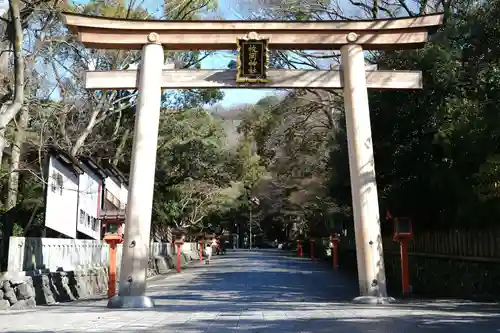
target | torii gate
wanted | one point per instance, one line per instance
(351, 37)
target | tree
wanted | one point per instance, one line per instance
(13, 100)
(191, 168)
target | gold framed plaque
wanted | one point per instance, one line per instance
(253, 59)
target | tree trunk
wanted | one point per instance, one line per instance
(121, 147)
(3, 144)
(9, 111)
(13, 185)
(86, 132)
(32, 218)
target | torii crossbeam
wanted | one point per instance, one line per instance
(279, 79)
(351, 37)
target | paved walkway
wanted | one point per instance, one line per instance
(256, 291)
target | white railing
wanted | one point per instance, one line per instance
(28, 254)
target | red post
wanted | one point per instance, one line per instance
(312, 248)
(178, 258)
(335, 255)
(112, 240)
(299, 246)
(334, 243)
(112, 270)
(403, 232)
(405, 274)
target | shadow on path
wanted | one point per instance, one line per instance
(264, 291)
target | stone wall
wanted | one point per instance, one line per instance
(46, 288)
(28, 288)
(17, 294)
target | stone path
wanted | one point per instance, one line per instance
(256, 291)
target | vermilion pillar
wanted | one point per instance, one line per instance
(113, 240)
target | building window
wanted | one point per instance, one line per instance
(82, 216)
(60, 183)
(94, 224)
(111, 199)
(57, 182)
(108, 205)
(53, 186)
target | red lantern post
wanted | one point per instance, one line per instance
(299, 247)
(113, 240)
(334, 245)
(403, 233)
(112, 224)
(179, 234)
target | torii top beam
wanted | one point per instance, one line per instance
(111, 33)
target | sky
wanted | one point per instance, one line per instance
(4, 6)
(234, 96)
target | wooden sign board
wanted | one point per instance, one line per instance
(253, 59)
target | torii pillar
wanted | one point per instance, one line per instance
(131, 292)
(369, 251)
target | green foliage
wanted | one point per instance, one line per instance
(192, 98)
(249, 169)
(195, 170)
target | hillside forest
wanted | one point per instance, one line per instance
(284, 160)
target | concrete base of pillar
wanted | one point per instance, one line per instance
(130, 302)
(373, 300)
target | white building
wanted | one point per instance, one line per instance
(115, 194)
(90, 189)
(78, 193)
(61, 200)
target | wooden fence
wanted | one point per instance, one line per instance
(471, 245)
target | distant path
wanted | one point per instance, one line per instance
(256, 291)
